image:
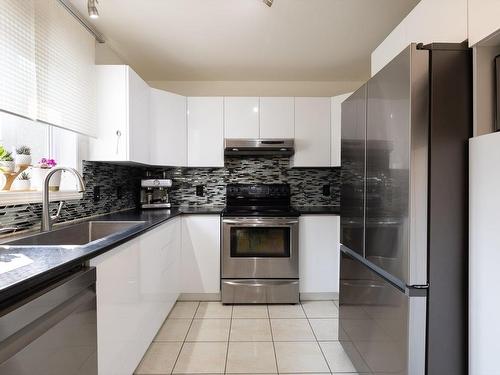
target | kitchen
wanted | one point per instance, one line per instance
(217, 193)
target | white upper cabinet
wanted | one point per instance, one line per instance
(168, 123)
(277, 117)
(205, 131)
(122, 116)
(312, 132)
(483, 19)
(241, 117)
(336, 128)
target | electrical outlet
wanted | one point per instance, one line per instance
(97, 193)
(119, 192)
(200, 190)
(326, 190)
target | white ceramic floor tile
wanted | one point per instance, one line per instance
(173, 330)
(250, 330)
(209, 330)
(291, 330)
(320, 309)
(183, 310)
(201, 357)
(160, 358)
(250, 311)
(214, 310)
(297, 357)
(251, 358)
(338, 359)
(325, 329)
(286, 311)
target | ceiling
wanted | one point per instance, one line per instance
(244, 40)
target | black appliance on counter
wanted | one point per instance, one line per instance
(404, 242)
(259, 247)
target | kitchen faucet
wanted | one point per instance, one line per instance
(47, 219)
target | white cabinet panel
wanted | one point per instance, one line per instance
(137, 285)
(138, 125)
(483, 19)
(168, 128)
(200, 254)
(312, 132)
(336, 128)
(319, 252)
(277, 117)
(241, 117)
(205, 132)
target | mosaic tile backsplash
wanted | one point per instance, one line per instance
(119, 187)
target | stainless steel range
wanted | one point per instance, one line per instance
(259, 252)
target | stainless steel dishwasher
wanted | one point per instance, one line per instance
(53, 331)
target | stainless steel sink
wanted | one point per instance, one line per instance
(77, 234)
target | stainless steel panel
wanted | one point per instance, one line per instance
(396, 167)
(260, 267)
(53, 332)
(381, 322)
(260, 291)
(284, 147)
(352, 218)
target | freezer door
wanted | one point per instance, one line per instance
(352, 218)
(396, 167)
(381, 327)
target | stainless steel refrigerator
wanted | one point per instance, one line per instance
(403, 276)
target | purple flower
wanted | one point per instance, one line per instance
(47, 163)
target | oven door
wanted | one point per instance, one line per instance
(264, 248)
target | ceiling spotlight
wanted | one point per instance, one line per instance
(92, 8)
(269, 3)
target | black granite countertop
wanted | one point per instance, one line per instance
(318, 210)
(39, 264)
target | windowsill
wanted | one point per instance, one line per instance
(24, 197)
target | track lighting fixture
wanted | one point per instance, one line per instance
(269, 3)
(92, 8)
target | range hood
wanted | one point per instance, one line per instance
(259, 147)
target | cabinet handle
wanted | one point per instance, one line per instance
(118, 136)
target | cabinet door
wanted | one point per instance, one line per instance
(319, 253)
(168, 138)
(205, 132)
(200, 254)
(138, 121)
(336, 119)
(483, 19)
(277, 117)
(112, 98)
(312, 132)
(241, 117)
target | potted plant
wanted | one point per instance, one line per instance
(7, 164)
(22, 182)
(41, 170)
(23, 155)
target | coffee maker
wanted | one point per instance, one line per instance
(155, 192)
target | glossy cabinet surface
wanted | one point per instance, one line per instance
(277, 118)
(241, 117)
(312, 132)
(319, 253)
(138, 121)
(336, 125)
(137, 285)
(168, 122)
(205, 131)
(200, 254)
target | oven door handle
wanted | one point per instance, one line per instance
(270, 222)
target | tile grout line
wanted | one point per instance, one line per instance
(272, 340)
(228, 338)
(185, 338)
(316, 338)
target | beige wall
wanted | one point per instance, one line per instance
(257, 88)
(105, 55)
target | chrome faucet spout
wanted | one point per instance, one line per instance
(47, 221)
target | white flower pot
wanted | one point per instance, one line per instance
(7, 166)
(38, 177)
(21, 185)
(23, 159)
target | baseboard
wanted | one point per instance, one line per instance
(322, 296)
(199, 297)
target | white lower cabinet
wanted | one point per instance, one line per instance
(319, 253)
(200, 254)
(137, 285)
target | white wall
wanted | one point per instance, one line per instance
(257, 88)
(106, 55)
(430, 21)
